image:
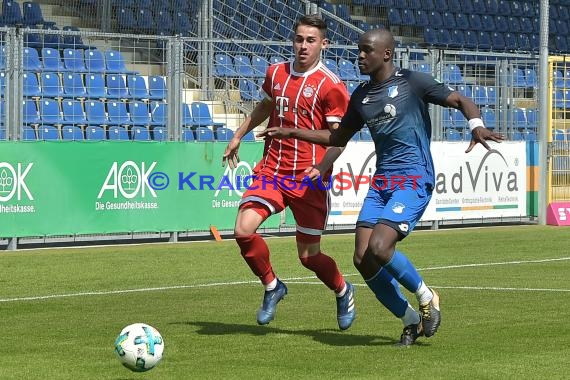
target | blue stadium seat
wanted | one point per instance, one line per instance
(351, 86)
(95, 133)
(408, 17)
(532, 119)
(516, 8)
(204, 134)
(31, 60)
(49, 112)
(145, 22)
(95, 113)
(202, 117)
(32, 40)
(446, 118)
(163, 21)
(465, 90)
(458, 121)
(516, 78)
(73, 112)
(435, 20)
(116, 87)
(511, 43)
(523, 42)
(52, 40)
(139, 113)
(73, 85)
(224, 66)
(475, 22)
(489, 117)
(73, 60)
(187, 120)
(47, 133)
(488, 23)
(156, 87)
(431, 37)
(115, 63)
(126, 20)
(453, 135)
(188, 135)
(2, 84)
(365, 134)
(71, 132)
(11, 13)
(558, 99)
(51, 85)
(259, 65)
(452, 75)
(28, 134)
(118, 133)
(484, 41)
(224, 134)
(394, 17)
(159, 133)
(117, 114)
(51, 61)
(518, 119)
(479, 6)
(331, 65)
(136, 85)
(182, 23)
(514, 24)
(32, 14)
(531, 78)
(248, 137)
(457, 39)
(243, 67)
(480, 95)
(95, 86)
(248, 90)
(30, 113)
(158, 113)
(462, 21)
(140, 133)
(31, 85)
(94, 61)
(449, 20)
(347, 70)
(73, 41)
(497, 41)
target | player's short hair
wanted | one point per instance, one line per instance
(313, 20)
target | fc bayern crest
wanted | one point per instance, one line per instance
(393, 91)
(308, 91)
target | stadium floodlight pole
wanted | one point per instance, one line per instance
(543, 107)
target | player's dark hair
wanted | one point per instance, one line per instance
(313, 20)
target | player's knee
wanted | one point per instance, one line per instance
(380, 249)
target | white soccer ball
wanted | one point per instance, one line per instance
(139, 347)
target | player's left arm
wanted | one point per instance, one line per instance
(332, 153)
(479, 134)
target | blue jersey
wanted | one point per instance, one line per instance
(396, 112)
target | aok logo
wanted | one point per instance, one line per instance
(13, 181)
(238, 179)
(129, 179)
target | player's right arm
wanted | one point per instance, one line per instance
(259, 114)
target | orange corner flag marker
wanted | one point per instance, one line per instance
(215, 233)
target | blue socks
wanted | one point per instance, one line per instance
(402, 269)
(387, 291)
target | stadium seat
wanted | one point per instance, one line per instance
(532, 119)
(145, 22)
(259, 65)
(458, 121)
(95, 86)
(28, 134)
(73, 41)
(73, 112)
(224, 134)
(249, 90)
(117, 114)
(465, 90)
(47, 133)
(224, 66)
(453, 135)
(73, 60)
(31, 60)
(202, 117)
(126, 20)
(188, 135)
(115, 63)
(489, 117)
(136, 85)
(140, 133)
(158, 113)
(32, 14)
(452, 75)
(347, 70)
(139, 113)
(446, 118)
(71, 132)
(480, 95)
(73, 85)
(351, 86)
(30, 113)
(50, 112)
(518, 118)
(248, 137)
(116, 87)
(94, 61)
(159, 133)
(95, 133)
(51, 61)
(11, 13)
(157, 88)
(95, 113)
(491, 95)
(118, 133)
(51, 85)
(531, 78)
(163, 21)
(204, 134)
(516, 78)
(243, 67)
(31, 85)
(331, 65)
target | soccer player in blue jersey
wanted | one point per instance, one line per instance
(394, 106)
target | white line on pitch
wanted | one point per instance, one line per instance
(299, 280)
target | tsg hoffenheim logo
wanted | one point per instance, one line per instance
(393, 91)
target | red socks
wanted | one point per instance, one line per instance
(256, 254)
(326, 270)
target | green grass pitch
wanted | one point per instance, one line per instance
(505, 296)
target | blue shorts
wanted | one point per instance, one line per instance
(397, 199)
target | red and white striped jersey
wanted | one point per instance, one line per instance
(308, 100)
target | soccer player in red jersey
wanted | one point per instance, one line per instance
(300, 94)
